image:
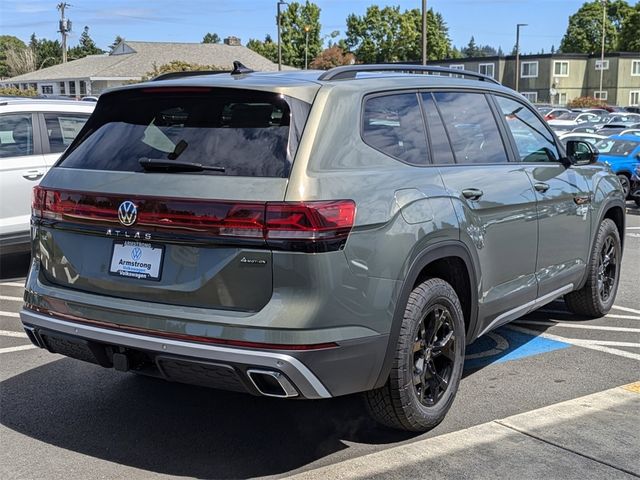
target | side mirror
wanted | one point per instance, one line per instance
(581, 153)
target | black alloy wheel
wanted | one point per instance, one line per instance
(433, 355)
(607, 269)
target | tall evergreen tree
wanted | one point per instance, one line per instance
(86, 46)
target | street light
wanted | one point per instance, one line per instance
(518, 52)
(604, 19)
(280, 2)
(306, 44)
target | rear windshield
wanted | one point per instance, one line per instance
(239, 132)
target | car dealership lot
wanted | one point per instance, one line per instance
(61, 418)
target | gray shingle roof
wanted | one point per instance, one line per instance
(148, 54)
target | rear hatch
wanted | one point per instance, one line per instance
(163, 196)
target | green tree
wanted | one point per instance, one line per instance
(629, 40)
(211, 38)
(8, 42)
(584, 33)
(298, 21)
(116, 42)
(389, 35)
(267, 48)
(86, 46)
(47, 52)
(471, 50)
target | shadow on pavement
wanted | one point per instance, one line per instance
(179, 429)
(14, 266)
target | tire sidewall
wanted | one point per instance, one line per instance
(432, 415)
(607, 229)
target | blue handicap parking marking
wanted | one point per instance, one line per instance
(503, 345)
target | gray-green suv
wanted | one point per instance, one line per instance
(310, 234)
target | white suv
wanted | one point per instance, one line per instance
(33, 134)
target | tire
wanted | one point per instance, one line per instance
(596, 298)
(398, 403)
(626, 184)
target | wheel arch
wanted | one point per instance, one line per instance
(451, 260)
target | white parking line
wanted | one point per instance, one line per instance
(590, 344)
(626, 309)
(10, 314)
(11, 299)
(12, 284)
(10, 333)
(17, 349)
(633, 228)
(579, 326)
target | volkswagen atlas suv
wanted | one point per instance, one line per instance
(315, 234)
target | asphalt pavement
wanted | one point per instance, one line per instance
(61, 418)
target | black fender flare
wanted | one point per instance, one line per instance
(450, 248)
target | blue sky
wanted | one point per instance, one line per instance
(489, 21)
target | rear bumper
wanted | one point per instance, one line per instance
(352, 366)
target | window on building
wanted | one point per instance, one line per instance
(62, 128)
(472, 128)
(72, 88)
(562, 99)
(560, 69)
(529, 70)
(531, 96)
(83, 87)
(62, 88)
(456, 67)
(16, 135)
(393, 125)
(635, 68)
(634, 97)
(47, 89)
(533, 139)
(602, 64)
(487, 69)
(600, 94)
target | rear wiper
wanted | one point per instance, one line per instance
(161, 165)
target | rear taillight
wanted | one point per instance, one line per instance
(302, 226)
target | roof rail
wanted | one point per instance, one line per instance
(350, 71)
(191, 73)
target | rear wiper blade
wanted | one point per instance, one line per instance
(161, 165)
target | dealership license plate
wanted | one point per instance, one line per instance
(136, 260)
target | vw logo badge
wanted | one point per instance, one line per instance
(127, 213)
(136, 253)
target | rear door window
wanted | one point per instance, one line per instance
(393, 125)
(239, 132)
(16, 135)
(62, 128)
(471, 126)
(441, 153)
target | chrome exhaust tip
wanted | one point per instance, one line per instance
(272, 384)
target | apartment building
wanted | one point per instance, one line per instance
(558, 78)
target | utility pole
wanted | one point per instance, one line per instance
(604, 19)
(280, 3)
(424, 32)
(65, 28)
(518, 53)
(306, 45)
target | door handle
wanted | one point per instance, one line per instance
(541, 187)
(33, 174)
(472, 193)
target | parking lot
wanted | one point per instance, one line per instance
(61, 418)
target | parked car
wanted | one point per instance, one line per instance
(591, 138)
(551, 113)
(33, 134)
(622, 154)
(631, 131)
(287, 235)
(569, 121)
(617, 128)
(635, 185)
